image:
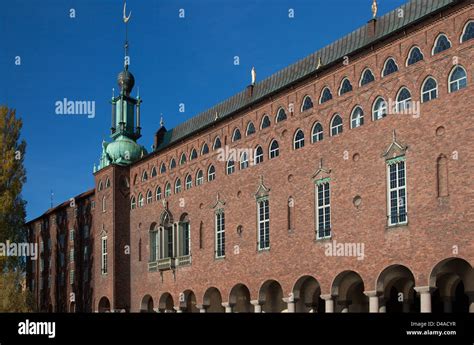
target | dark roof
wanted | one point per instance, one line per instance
(414, 11)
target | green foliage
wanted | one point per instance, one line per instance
(14, 298)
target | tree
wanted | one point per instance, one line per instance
(12, 209)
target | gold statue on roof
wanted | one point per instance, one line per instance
(374, 9)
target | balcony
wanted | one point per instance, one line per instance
(165, 264)
(152, 266)
(183, 260)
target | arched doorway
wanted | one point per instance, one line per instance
(166, 304)
(271, 297)
(213, 301)
(453, 280)
(147, 304)
(104, 305)
(188, 302)
(239, 299)
(395, 286)
(348, 289)
(306, 293)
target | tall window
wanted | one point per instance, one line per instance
(298, 141)
(263, 224)
(265, 122)
(429, 90)
(379, 110)
(167, 189)
(403, 100)
(141, 200)
(389, 67)
(172, 164)
(153, 172)
(274, 149)
(205, 149)
(149, 197)
(326, 95)
(397, 202)
(230, 167)
(367, 77)
(346, 87)
(184, 237)
(217, 144)
(441, 44)
(250, 129)
(162, 168)
(193, 155)
(336, 125)
(182, 160)
(317, 133)
(177, 186)
(211, 173)
(323, 209)
(357, 117)
(307, 103)
(258, 155)
(144, 176)
(244, 161)
(281, 115)
(158, 193)
(199, 178)
(154, 241)
(103, 263)
(468, 32)
(189, 182)
(236, 135)
(414, 56)
(220, 234)
(133, 203)
(457, 79)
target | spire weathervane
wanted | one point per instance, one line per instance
(126, 20)
(374, 9)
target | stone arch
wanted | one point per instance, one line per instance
(213, 301)
(147, 304)
(188, 302)
(452, 281)
(348, 290)
(306, 293)
(239, 299)
(104, 305)
(271, 297)
(395, 286)
(166, 304)
(166, 218)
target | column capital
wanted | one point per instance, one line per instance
(288, 300)
(373, 293)
(326, 297)
(200, 306)
(255, 302)
(178, 309)
(424, 289)
(226, 304)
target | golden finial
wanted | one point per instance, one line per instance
(374, 9)
(254, 75)
(125, 18)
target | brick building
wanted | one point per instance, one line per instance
(342, 183)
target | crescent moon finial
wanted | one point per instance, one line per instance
(125, 18)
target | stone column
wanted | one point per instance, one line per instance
(257, 306)
(201, 308)
(291, 304)
(373, 301)
(228, 307)
(425, 298)
(329, 303)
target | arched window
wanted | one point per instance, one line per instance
(403, 100)
(162, 168)
(317, 132)
(167, 189)
(158, 193)
(336, 125)
(230, 167)
(244, 160)
(379, 109)
(250, 128)
(307, 103)
(189, 182)
(236, 135)
(217, 143)
(390, 67)
(205, 149)
(144, 176)
(153, 172)
(172, 164)
(211, 173)
(104, 204)
(141, 200)
(177, 186)
(414, 56)
(182, 160)
(193, 155)
(274, 149)
(101, 186)
(429, 90)
(265, 122)
(442, 43)
(149, 197)
(346, 87)
(107, 183)
(367, 77)
(298, 140)
(357, 117)
(133, 203)
(281, 115)
(326, 95)
(199, 178)
(258, 155)
(457, 79)
(468, 32)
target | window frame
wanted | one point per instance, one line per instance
(322, 205)
(396, 161)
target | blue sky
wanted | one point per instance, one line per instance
(174, 60)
